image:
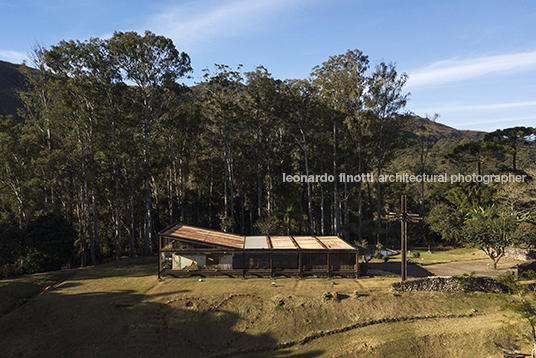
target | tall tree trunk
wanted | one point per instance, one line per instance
(132, 232)
(360, 196)
(225, 168)
(309, 194)
(116, 175)
(210, 197)
(95, 215)
(301, 209)
(269, 180)
(82, 228)
(86, 209)
(171, 171)
(231, 190)
(147, 187)
(337, 219)
(322, 212)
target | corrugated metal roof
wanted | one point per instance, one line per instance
(308, 242)
(334, 242)
(282, 242)
(218, 238)
(205, 236)
(256, 242)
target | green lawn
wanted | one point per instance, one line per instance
(440, 255)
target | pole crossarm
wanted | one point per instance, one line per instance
(404, 217)
(407, 217)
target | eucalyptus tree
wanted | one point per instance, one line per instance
(385, 100)
(263, 104)
(223, 91)
(15, 166)
(88, 73)
(301, 125)
(154, 65)
(342, 82)
(38, 112)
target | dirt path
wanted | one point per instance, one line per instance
(479, 267)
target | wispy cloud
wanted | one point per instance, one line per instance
(486, 107)
(198, 22)
(459, 70)
(504, 121)
(13, 56)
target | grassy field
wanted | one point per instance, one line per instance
(440, 255)
(122, 310)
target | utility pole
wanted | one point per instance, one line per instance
(404, 217)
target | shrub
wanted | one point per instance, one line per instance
(466, 281)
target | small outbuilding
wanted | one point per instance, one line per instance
(187, 250)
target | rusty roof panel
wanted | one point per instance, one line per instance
(282, 242)
(308, 242)
(256, 242)
(218, 238)
(205, 236)
(335, 243)
(235, 241)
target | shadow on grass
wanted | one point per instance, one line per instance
(63, 323)
(395, 267)
(284, 353)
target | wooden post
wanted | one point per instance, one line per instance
(357, 264)
(329, 266)
(159, 256)
(300, 267)
(243, 264)
(271, 264)
(404, 242)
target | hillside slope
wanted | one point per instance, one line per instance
(439, 131)
(11, 81)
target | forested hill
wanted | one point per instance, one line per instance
(438, 131)
(12, 81)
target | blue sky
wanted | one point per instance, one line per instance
(473, 62)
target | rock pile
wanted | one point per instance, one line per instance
(449, 284)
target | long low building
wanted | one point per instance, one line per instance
(187, 250)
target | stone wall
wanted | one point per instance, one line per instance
(515, 253)
(449, 284)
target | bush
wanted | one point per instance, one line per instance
(416, 254)
(49, 243)
(466, 282)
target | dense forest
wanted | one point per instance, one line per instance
(108, 148)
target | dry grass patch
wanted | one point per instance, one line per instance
(81, 318)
